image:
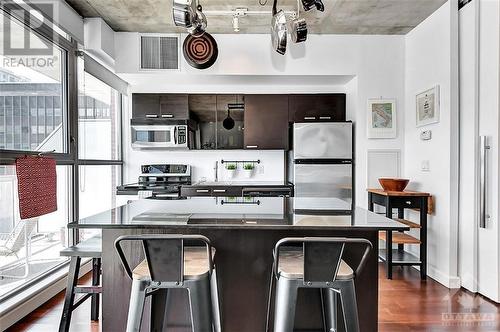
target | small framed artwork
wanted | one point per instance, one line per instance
(428, 107)
(381, 118)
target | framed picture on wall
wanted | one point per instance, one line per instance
(428, 107)
(381, 118)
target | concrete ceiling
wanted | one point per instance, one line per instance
(391, 17)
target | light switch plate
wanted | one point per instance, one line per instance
(425, 166)
(426, 135)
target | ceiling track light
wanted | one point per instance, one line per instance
(237, 13)
(240, 12)
(236, 23)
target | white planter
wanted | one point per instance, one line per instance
(231, 173)
(248, 173)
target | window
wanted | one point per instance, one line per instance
(24, 259)
(99, 138)
(36, 114)
(99, 109)
(97, 188)
(97, 192)
(32, 99)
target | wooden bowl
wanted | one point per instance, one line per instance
(392, 184)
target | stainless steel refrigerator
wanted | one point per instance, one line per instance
(321, 167)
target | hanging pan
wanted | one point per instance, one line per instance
(200, 24)
(298, 28)
(200, 52)
(278, 30)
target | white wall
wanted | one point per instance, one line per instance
(100, 40)
(271, 167)
(325, 63)
(431, 59)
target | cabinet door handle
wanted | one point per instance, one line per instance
(325, 117)
(151, 115)
(201, 191)
(167, 115)
(309, 118)
(219, 190)
(252, 146)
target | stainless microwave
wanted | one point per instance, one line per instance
(166, 136)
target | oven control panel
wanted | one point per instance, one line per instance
(168, 169)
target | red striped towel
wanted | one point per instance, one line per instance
(36, 183)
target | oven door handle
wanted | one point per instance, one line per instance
(278, 191)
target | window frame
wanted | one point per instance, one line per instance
(70, 102)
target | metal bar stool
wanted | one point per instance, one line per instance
(91, 248)
(170, 264)
(317, 263)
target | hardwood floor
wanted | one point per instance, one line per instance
(408, 304)
(405, 304)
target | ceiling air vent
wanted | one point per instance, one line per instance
(159, 52)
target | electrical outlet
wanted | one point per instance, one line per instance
(426, 135)
(425, 166)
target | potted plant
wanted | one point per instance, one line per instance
(231, 170)
(231, 199)
(248, 169)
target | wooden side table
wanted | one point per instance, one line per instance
(402, 200)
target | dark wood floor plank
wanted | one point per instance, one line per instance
(405, 304)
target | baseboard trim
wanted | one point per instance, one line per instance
(443, 278)
(15, 309)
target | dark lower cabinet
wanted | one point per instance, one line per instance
(317, 107)
(266, 122)
(207, 191)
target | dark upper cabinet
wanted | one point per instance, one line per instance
(166, 106)
(317, 107)
(174, 106)
(209, 112)
(145, 105)
(230, 107)
(266, 122)
(202, 109)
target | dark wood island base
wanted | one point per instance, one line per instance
(244, 238)
(244, 261)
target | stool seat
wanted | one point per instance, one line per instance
(91, 247)
(291, 265)
(195, 264)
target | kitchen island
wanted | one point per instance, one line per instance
(244, 232)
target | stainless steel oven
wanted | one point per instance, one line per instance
(174, 136)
